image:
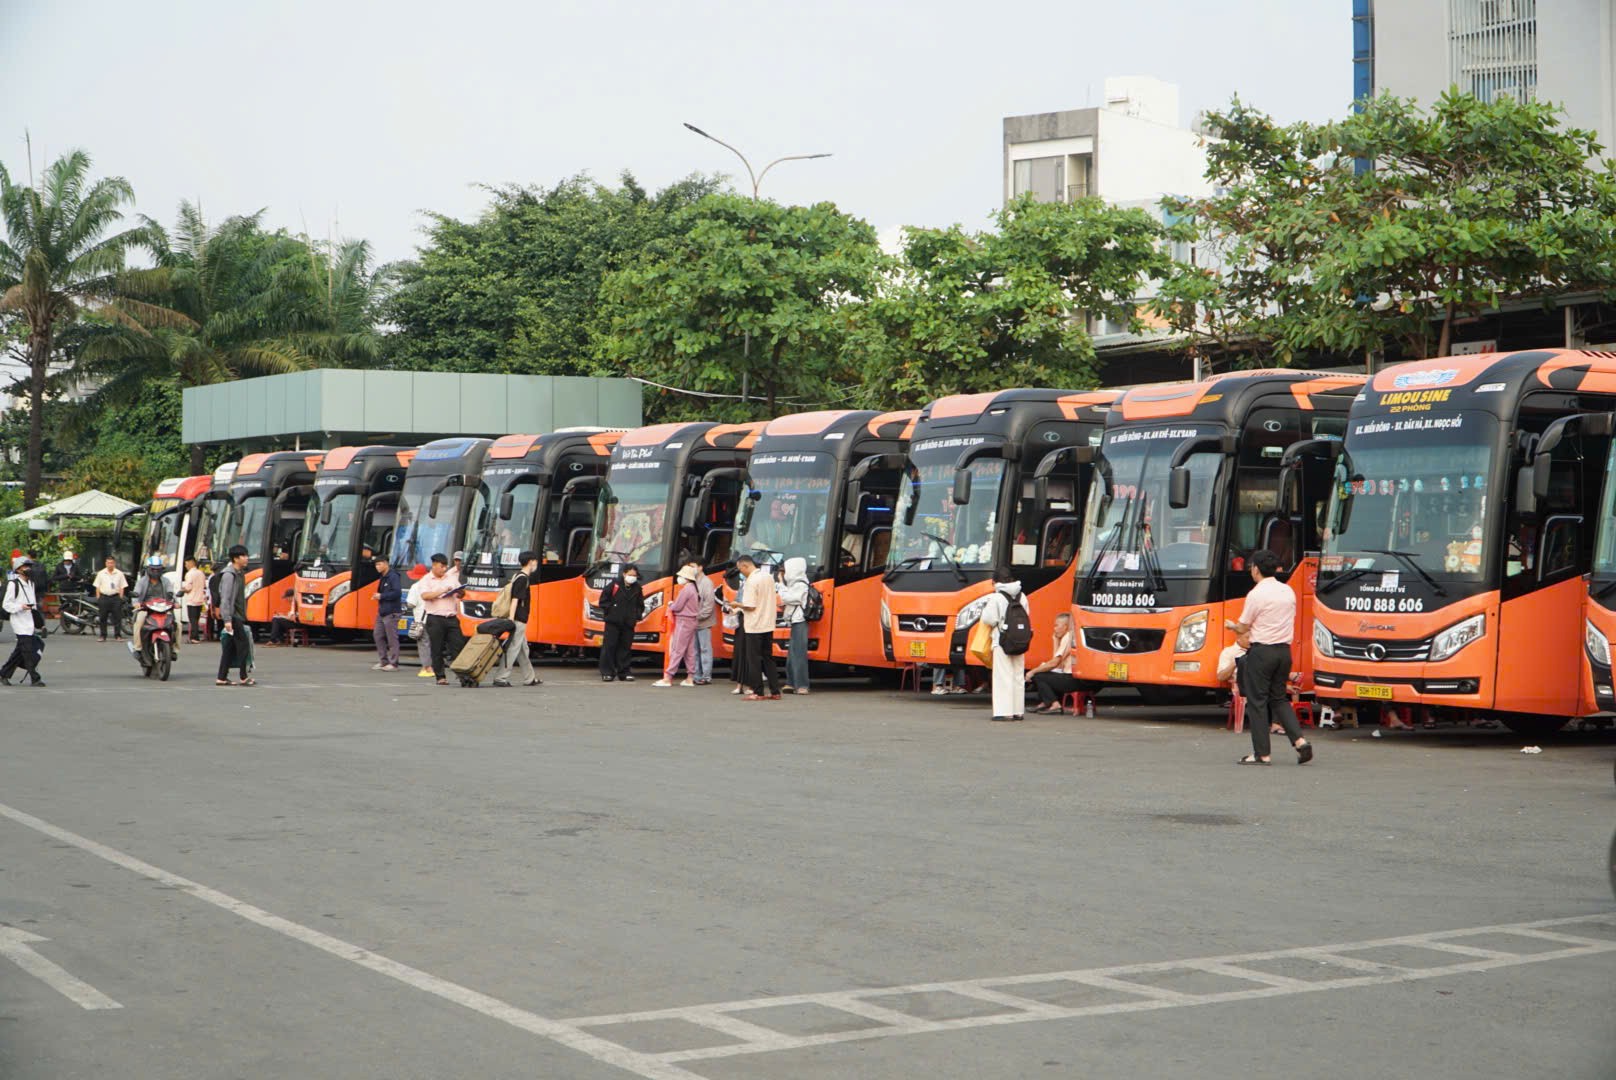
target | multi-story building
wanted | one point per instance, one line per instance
(1558, 51)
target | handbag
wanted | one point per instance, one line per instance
(980, 643)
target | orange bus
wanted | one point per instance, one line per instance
(822, 486)
(1193, 478)
(537, 493)
(355, 502)
(269, 496)
(1453, 586)
(991, 480)
(672, 490)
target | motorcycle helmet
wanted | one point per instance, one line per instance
(154, 566)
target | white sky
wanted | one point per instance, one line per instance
(341, 113)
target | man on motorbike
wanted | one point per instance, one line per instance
(151, 586)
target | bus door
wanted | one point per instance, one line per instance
(566, 534)
(286, 529)
(852, 623)
(706, 524)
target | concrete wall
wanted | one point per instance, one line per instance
(1411, 48)
(1140, 161)
(333, 405)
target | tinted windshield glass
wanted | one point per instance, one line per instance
(631, 522)
(789, 518)
(931, 526)
(1421, 485)
(421, 533)
(1130, 528)
(211, 529)
(1605, 551)
(495, 541)
(331, 541)
(249, 524)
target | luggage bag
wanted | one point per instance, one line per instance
(477, 658)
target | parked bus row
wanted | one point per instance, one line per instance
(1433, 521)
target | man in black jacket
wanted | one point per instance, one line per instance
(516, 652)
(622, 604)
(389, 605)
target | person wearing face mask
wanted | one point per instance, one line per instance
(622, 604)
(22, 606)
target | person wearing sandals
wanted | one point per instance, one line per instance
(793, 595)
(1269, 618)
(685, 612)
(235, 643)
(1053, 678)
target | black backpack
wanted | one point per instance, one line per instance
(213, 589)
(1015, 632)
(813, 605)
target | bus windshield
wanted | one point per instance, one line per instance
(422, 533)
(1130, 528)
(331, 541)
(249, 523)
(931, 529)
(1420, 487)
(212, 524)
(494, 541)
(1605, 546)
(631, 520)
(789, 518)
(163, 538)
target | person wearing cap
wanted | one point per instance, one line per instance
(22, 606)
(110, 586)
(66, 576)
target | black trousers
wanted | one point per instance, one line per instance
(233, 647)
(442, 631)
(760, 662)
(277, 629)
(616, 650)
(110, 610)
(25, 654)
(1054, 685)
(1267, 679)
(740, 662)
(193, 616)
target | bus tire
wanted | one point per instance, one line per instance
(1533, 727)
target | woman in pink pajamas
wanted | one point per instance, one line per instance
(685, 611)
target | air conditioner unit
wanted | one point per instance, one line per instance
(1472, 348)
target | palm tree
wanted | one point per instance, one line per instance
(346, 295)
(58, 261)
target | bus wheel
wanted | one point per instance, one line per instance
(1533, 727)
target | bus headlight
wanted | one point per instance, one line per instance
(338, 591)
(653, 602)
(1597, 644)
(1191, 633)
(970, 613)
(1323, 640)
(886, 615)
(253, 586)
(1457, 637)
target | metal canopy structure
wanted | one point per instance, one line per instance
(328, 408)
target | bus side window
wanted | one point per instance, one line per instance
(879, 543)
(1059, 541)
(717, 547)
(1561, 552)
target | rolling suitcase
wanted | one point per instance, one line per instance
(477, 658)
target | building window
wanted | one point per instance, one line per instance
(1044, 177)
(1080, 182)
(1492, 48)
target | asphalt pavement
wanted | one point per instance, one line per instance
(356, 874)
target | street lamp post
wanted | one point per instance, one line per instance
(757, 181)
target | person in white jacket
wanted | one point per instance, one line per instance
(23, 608)
(793, 596)
(1009, 678)
(417, 606)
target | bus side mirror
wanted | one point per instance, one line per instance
(743, 523)
(962, 487)
(1526, 484)
(1178, 487)
(325, 514)
(432, 507)
(850, 507)
(507, 505)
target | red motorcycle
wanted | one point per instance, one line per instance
(155, 650)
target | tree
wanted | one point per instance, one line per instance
(746, 296)
(1465, 206)
(60, 259)
(968, 312)
(341, 295)
(515, 291)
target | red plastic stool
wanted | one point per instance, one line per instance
(1237, 714)
(1076, 703)
(910, 673)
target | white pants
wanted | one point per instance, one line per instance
(1009, 683)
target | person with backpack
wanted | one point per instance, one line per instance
(796, 596)
(389, 605)
(1007, 616)
(22, 605)
(515, 602)
(235, 636)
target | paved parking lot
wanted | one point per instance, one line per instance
(343, 873)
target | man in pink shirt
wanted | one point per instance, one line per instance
(1270, 619)
(440, 599)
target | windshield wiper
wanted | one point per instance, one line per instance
(1147, 550)
(942, 549)
(901, 563)
(1408, 558)
(1355, 572)
(1099, 556)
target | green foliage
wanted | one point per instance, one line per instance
(785, 276)
(1468, 205)
(968, 312)
(515, 291)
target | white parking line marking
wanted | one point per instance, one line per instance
(645, 1065)
(1141, 996)
(17, 946)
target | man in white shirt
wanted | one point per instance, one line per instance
(1269, 617)
(21, 605)
(759, 606)
(110, 586)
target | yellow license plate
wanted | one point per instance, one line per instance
(1375, 693)
(403, 624)
(1116, 672)
(917, 648)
